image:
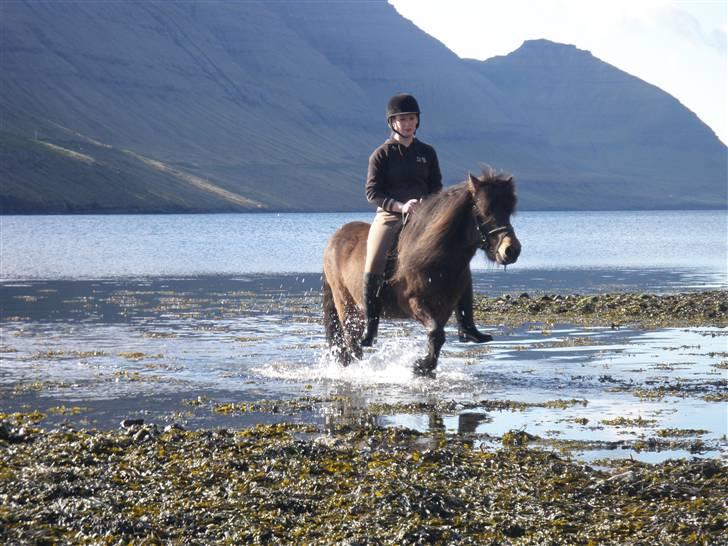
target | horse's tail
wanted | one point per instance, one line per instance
(332, 323)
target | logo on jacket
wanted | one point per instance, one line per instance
(421, 159)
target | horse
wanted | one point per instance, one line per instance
(432, 271)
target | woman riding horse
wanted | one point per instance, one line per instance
(432, 274)
(402, 171)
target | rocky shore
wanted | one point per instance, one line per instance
(283, 484)
(709, 308)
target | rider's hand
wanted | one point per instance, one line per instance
(410, 206)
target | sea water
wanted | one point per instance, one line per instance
(137, 315)
(113, 246)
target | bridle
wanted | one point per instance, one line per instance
(484, 232)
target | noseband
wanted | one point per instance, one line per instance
(485, 233)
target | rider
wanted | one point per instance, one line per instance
(401, 172)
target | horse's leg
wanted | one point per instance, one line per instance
(435, 339)
(354, 328)
(332, 325)
(343, 268)
(467, 331)
(352, 325)
(335, 333)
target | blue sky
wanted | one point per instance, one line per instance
(678, 45)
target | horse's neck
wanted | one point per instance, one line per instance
(461, 239)
(455, 244)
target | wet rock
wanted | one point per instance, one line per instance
(174, 427)
(5, 431)
(141, 436)
(624, 478)
(327, 440)
(517, 438)
(131, 423)
(14, 434)
(513, 531)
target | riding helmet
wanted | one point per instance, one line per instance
(402, 103)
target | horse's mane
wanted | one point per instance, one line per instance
(436, 229)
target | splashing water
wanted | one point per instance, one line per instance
(390, 363)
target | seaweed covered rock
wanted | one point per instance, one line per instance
(276, 484)
(648, 310)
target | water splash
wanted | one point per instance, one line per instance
(390, 363)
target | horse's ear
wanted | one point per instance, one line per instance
(473, 184)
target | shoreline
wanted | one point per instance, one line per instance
(244, 468)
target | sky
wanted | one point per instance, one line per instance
(677, 45)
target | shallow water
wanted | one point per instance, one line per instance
(169, 350)
(166, 317)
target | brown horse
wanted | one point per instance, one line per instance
(433, 264)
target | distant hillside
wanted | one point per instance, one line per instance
(233, 106)
(630, 142)
(91, 177)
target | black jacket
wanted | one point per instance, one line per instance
(400, 173)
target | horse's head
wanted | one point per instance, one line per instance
(494, 201)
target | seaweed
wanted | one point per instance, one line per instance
(269, 485)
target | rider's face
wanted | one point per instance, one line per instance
(405, 124)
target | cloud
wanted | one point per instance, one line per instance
(687, 26)
(718, 37)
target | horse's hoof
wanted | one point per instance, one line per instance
(342, 356)
(472, 335)
(424, 369)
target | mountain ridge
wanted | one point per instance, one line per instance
(276, 106)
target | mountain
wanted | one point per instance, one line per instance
(615, 135)
(232, 106)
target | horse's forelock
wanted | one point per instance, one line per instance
(498, 187)
(491, 176)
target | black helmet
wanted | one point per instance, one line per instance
(402, 103)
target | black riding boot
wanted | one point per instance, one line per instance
(466, 326)
(372, 307)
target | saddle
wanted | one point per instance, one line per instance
(392, 255)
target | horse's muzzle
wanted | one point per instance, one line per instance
(508, 250)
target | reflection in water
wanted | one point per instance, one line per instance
(346, 409)
(468, 422)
